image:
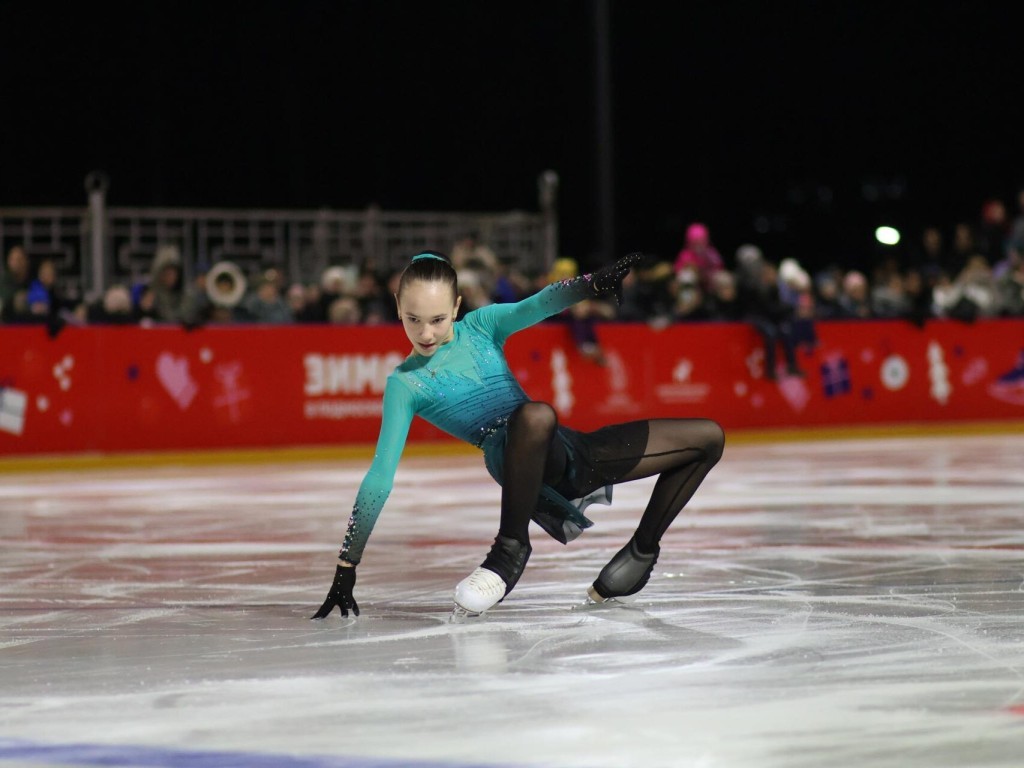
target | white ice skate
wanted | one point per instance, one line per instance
(495, 578)
(478, 592)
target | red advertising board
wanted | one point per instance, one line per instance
(113, 389)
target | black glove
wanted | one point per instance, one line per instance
(609, 279)
(340, 594)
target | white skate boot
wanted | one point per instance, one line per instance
(478, 592)
(494, 579)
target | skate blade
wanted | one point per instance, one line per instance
(460, 614)
(593, 598)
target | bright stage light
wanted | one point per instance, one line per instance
(887, 235)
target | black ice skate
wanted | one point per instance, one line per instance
(624, 576)
(494, 579)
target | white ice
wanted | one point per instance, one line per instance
(835, 603)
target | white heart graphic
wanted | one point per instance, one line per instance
(794, 391)
(174, 376)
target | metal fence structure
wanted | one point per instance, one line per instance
(95, 246)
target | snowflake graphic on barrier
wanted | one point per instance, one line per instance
(232, 392)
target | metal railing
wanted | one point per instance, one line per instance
(95, 246)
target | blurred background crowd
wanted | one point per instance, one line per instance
(967, 271)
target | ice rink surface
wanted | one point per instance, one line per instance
(831, 603)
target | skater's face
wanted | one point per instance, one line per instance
(428, 310)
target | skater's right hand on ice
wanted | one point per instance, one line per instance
(609, 279)
(340, 594)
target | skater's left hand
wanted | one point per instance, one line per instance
(609, 279)
(340, 594)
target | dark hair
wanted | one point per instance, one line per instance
(430, 267)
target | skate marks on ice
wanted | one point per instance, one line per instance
(819, 604)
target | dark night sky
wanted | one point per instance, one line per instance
(723, 111)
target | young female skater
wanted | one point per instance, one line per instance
(457, 379)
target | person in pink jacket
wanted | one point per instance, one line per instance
(700, 255)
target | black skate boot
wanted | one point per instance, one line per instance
(625, 575)
(494, 579)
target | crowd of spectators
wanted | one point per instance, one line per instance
(975, 270)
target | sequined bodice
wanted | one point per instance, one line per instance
(466, 387)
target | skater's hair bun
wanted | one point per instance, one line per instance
(431, 267)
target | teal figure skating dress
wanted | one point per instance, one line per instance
(467, 389)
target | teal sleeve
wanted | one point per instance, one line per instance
(506, 319)
(399, 408)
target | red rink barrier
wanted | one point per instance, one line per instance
(113, 389)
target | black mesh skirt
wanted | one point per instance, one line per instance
(600, 458)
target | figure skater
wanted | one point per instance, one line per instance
(457, 378)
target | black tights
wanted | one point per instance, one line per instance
(532, 457)
(680, 451)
